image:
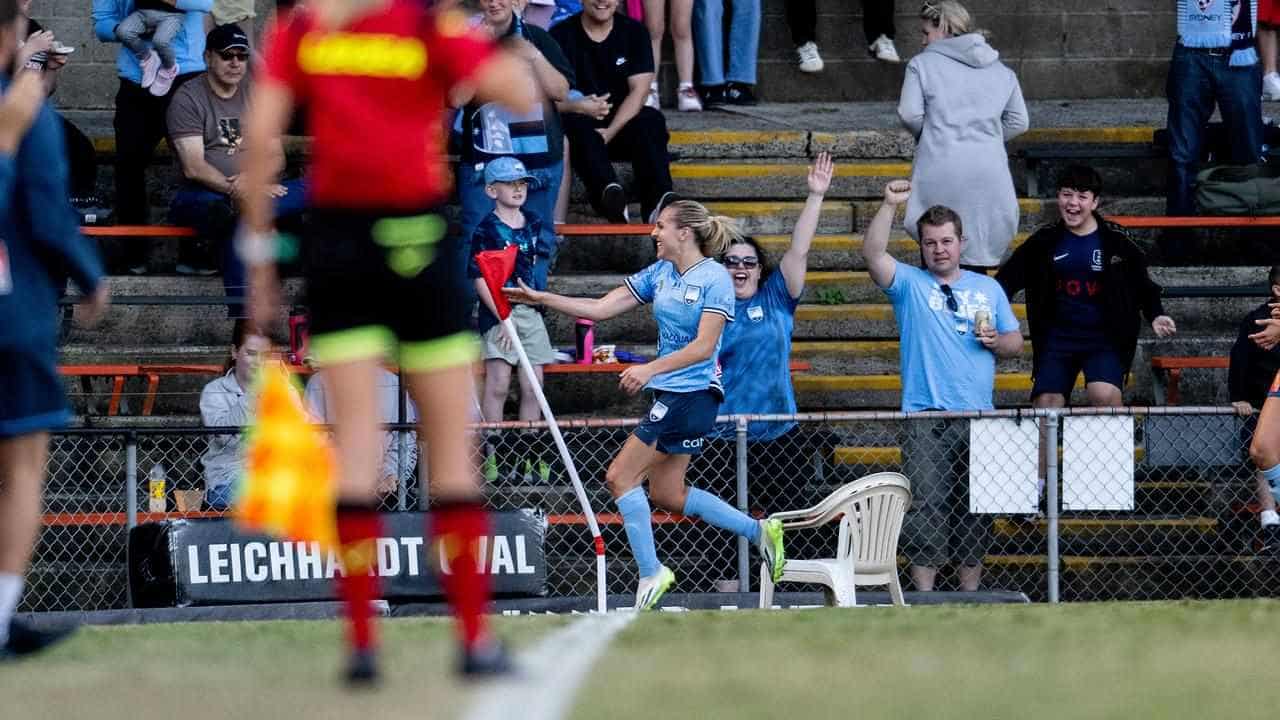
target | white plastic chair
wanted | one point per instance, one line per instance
(871, 510)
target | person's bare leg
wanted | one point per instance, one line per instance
(970, 577)
(1045, 400)
(923, 577)
(682, 39)
(350, 387)
(458, 518)
(1104, 394)
(566, 183)
(497, 382)
(1264, 451)
(655, 21)
(1267, 48)
(529, 408)
(667, 486)
(624, 477)
(22, 465)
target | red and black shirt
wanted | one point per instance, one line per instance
(374, 94)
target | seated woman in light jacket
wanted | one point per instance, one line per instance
(226, 402)
(961, 104)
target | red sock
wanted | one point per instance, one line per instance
(358, 528)
(457, 527)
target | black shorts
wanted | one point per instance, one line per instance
(1060, 367)
(32, 397)
(384, 285)
(678, 423)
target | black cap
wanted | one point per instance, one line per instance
(226, 37)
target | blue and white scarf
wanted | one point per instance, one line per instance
(1220, 24)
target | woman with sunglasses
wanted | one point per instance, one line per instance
(756, 352)
(692, 299)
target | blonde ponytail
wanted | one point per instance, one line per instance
(714, 233)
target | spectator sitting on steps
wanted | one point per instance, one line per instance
(953, 323)
(204, 127)
(226, 402)
(391, 399)
(612, 61)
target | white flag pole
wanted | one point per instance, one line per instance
(509, 327)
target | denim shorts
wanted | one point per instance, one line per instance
(678, 423)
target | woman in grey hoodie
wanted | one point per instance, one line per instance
(961, 104)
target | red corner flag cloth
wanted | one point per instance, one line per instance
(496, 267)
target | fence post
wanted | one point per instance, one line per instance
(402, 486)
(1051, 500)
(744, 549)
(131, 479)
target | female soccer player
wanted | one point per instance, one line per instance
(40, 245)
(372, 76)
(692, 299)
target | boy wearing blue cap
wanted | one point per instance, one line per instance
(507, 182)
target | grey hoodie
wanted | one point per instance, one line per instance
(961, 104)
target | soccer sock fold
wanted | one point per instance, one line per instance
(10, 594)
(358, 529)
(711, 509)
(637, 520)
(1272, 476)
(457, 527)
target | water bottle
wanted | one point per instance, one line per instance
(585, 332)
(156, 489)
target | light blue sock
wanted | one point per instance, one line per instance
(702, 504)
(1272, 474)
(637, 519)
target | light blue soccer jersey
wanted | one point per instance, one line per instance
(755, 356)
(678, 304)
(944, 367)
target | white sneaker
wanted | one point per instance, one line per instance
(653, 101)
(884, 50)
(651, 589)
(687, 99)
(150, 66)
(1271, 86)
(810, 60)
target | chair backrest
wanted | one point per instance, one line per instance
(872, 522)
(836, 504)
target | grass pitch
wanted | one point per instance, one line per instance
(1113, 660)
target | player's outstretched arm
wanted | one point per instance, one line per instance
(616, 302)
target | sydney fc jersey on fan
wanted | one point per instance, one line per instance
(374, 95)
(944, 367)
(756, 360)
(678, 304)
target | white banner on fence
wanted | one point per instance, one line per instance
(1003, 463)
(1097, 463)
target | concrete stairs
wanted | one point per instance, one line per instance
(752, 169)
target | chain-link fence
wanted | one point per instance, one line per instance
(1133, 503)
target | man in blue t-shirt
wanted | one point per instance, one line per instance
(952, 324)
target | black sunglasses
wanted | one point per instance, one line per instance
(229, 56)
(952, 304)
(734, 261)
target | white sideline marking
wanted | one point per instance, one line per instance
(549, 673)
